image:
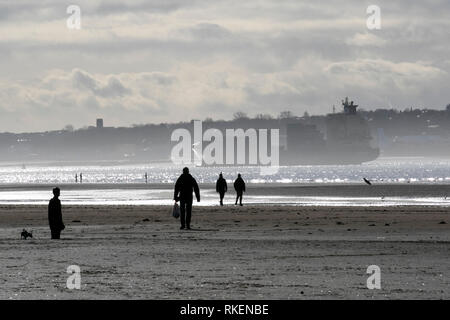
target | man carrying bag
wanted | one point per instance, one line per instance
(185, 185)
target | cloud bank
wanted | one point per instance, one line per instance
(164, 61)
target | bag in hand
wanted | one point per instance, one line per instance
(176, 211)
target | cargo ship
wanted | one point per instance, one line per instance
(346, 140)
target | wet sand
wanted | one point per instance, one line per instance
(344, 194)
(250, 252)
(273, 189)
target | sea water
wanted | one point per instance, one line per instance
(382, 170)
(387, 170)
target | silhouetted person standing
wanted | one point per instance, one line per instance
(184, 187)
(55, 215)
(146, 177)
(81, 177)
(239, 186)
(76, 178)
(221, 187)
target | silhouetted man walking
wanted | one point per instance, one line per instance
(221, 187)
(184, 187)
(55, 216)
(239, 186)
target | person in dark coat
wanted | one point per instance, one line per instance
(55, 216)
(185, 185)
(221, 187)
(239, 186)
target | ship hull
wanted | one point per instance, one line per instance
(350, 157)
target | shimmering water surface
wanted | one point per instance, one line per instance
(385, 170)
(209, 197)
(381, 171)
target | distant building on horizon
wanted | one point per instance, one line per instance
(99, 123)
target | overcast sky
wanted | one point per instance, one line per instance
(136, 62)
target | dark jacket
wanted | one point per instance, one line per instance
(239, 185)
(184, 187)
(221, 185)
(54, 215)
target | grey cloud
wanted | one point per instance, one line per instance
(210, 31)
(84, 81)
(159, 78)
(29, 10)
(113, 88)
(155, 6)
(173, 60)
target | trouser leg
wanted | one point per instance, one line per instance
(188, 213)
(239, 198)
(56, 234)
(183, 213)
(222, 195)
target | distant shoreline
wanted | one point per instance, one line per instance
(131, 162)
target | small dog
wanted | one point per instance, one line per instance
(25, 234)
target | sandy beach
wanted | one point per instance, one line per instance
(250, 252)
(329, 120)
